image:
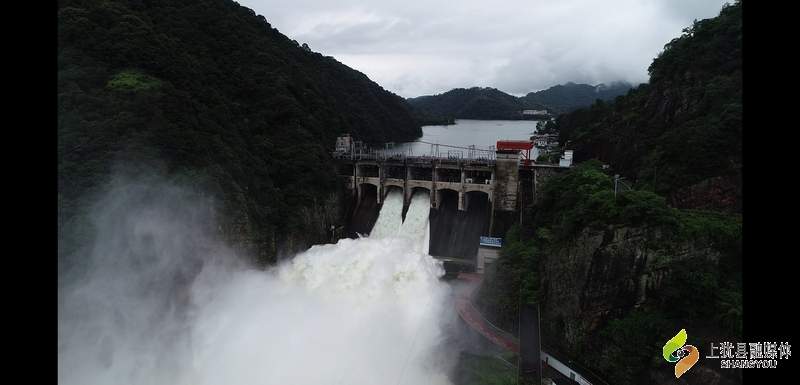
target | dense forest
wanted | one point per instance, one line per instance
(491, 103)
(208, 90)
(613, 270)
(680, 134)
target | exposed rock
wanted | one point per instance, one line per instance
(718, 193)
(318, 218)
(601, 275)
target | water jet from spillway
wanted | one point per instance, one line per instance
(391, 216)
(416, 224)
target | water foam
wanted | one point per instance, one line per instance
(390, 217)
(416, 225)
(359, 312)
(362, 311)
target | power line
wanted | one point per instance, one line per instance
(451, 146)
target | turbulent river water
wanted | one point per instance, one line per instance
(160, 302)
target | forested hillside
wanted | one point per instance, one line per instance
(614, 271)
(468, 103)
(681, 133)
(208, 90)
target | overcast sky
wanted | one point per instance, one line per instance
(422, 47)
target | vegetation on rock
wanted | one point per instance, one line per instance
(211, 91)
(681, 129)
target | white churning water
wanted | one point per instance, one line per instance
(359, 312)
(416, 226)
(390, 217)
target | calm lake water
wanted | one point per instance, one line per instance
(483, 134)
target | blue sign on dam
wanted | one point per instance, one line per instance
(491, 241)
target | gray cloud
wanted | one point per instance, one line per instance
(416, 47)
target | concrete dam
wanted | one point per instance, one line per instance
(471, 198)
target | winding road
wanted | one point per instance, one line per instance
(477, 322)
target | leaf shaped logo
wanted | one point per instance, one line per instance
(676, 350)
(692, 355)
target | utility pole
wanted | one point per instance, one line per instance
(617, 180)
(655, 175)
(529, 370)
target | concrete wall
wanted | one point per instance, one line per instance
(503, 189)
(354, 182)
(506, 181)
(486, 256)
(564, 369)
(393, 182)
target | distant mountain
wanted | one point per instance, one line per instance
(571, 96)
(491, 103)
(467, 103)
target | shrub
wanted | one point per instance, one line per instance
(132, 80)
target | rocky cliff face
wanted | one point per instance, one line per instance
(601, 273)
(323, 222)
(723, 193)
(599, 276)
(319, 218)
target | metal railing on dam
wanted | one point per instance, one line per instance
(382, 156)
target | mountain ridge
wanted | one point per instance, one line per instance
(491, 103)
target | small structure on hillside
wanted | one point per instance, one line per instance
(344, 144)
(534, 112)
(488, 252)
(522, 147)
(545, 141)
(566, 159)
